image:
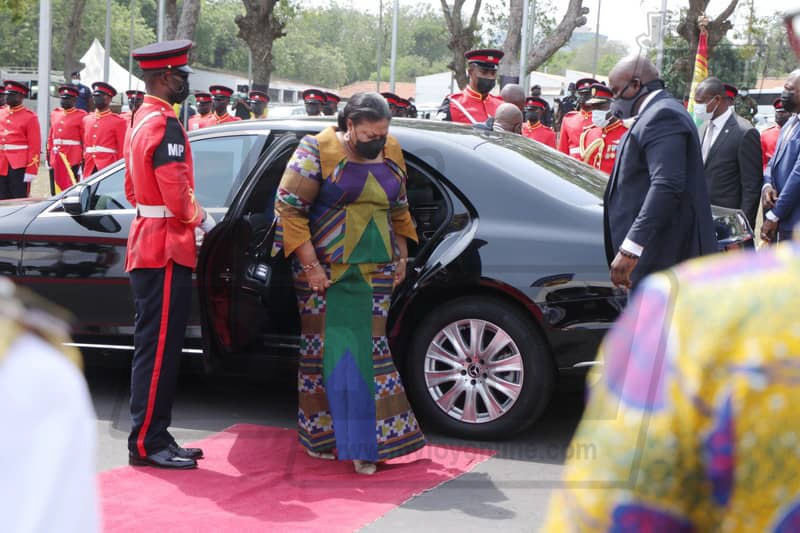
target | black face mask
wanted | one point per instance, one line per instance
(622, 107)
(100, 102)
(180, 93)
(220, 106)
(67, 103)
(789, 102)
(370, 149)
(313, 110)
(532, 116)
(781, 119)
(485, 85)
(13, 99)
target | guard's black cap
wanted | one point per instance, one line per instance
(11, 86)
(313, 95)
(220, 90)
(391, 99)
(101, 87)
(485, 57)
(585, 84)
(172, 55)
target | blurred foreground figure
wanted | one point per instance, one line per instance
(47, 453)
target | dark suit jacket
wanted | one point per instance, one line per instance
(733, 167)
(657, 195)
(783, 173)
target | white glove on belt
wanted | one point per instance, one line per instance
(209, 223)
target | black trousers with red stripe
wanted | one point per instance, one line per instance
(162, 297)
(13, 185)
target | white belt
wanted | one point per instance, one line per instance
(153, 211)
(8, 147)
(102, 149)
(66, 142)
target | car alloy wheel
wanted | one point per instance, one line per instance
(474, 371)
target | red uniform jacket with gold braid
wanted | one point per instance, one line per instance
(20, 141)
(539, 132)
(599, 146)
(769, 140)
(571, 128)
(103, 140)
(159, 172)
(212, 119)
(66, 135)
(475, 104)
(198, 121)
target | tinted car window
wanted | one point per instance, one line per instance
(109, 193)
(579, 184)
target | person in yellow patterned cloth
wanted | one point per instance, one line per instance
(692, 423)
(343, 216)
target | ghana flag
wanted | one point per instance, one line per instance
(700, 70)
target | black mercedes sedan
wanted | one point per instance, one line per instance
(507, 289)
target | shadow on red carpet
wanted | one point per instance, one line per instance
(258, 478)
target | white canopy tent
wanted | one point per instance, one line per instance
(118, 76)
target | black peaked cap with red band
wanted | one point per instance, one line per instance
(600, 94)
(11, 86)
(391, 98)
(202, 97)
(585, 84)
(331, 97)
(730, 90)
(68, 90)
(166, 55)
(258, 96)
(313, 95)
(485, 57)
(101, 87)
(777, 104)
(534, 102)
(220, 90)
(134, 94)
(402, 103)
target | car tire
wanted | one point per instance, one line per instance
(428, 374)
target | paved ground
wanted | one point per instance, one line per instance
(509, 492)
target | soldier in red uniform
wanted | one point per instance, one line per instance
(200, 119)
(574, 122)
(20, 143)
(220, 100)
(314, 100)
(135, 99)
(331, 104)
(258, 104)
(65, 140)
(394, 103)
(103, 131)
(159, 182)
(533, 128)
(769, 137)
(475, 104)
(600, 141)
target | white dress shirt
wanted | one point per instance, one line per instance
(719, 124)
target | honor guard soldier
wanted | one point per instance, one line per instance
(220, 100)
(48, 453)
(103, 131)
(20, 143)
(404, 105)
(65, 140)
(769, 137)
(574, 122)
(135, 99)
(394, 103)
(159, 183)
(314, 100)
(533, 127)
(2, 98)
(258, 104)
(475, 103)
(200, 119)
(600, 141)
(412, 111)
(331, 104)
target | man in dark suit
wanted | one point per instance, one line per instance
(656, 210)
(731, 149)
(781, 193)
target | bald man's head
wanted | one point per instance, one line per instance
(628, 77)
(509, 118)
(513, 94)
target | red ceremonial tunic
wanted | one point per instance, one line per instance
(198, 121)
(66, 135)
(540, 133)
(769, 139)
(213, 119)
(159, 172)
(103, 138)
(475, 104)
(571, 128)
(599, 146)
(20, 141)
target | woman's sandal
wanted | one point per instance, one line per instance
(365, 467)
(319, 455)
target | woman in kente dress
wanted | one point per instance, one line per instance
(343, 218)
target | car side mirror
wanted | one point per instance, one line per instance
(76, 200)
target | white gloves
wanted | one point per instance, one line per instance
(209, 223)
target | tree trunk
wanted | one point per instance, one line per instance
(462, 38)
(190, 14)
(544, 49)
(690, 31)
(170, 19)
(71, 40)
(509, 66)
(259, 27)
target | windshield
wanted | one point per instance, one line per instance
(579, 184)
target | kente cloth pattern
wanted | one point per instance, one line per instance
(691, 425)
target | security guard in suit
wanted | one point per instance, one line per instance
(103, 131)
(159, 182)
(20, 143)
(65, 139)
(475, 103)
(220, 100)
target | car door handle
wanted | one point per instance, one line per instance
(226, 276)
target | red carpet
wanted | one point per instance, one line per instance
(257, 478)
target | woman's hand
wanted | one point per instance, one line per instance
(399, 271)
(317, 279)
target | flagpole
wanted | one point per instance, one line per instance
(700, 64)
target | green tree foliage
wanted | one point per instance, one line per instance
(216, 42)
